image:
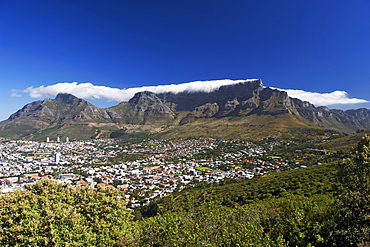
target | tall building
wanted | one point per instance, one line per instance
(67, 139)
(58, 139)
(56, 157)
(47, 139)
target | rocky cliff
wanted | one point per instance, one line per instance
(248, 100)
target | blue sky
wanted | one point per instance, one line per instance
(317, 46)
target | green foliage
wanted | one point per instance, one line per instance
(18, 131)
(345, 143)
(291, 220)
(351, 226)
(117, 133)
(299, 220)
(133, 137)
(309, 181)
(286, 209)
(207, 225)
(50, 214)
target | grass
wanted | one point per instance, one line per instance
(345, 143)
(253, 127)
(207, 169)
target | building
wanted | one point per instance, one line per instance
(56, 157)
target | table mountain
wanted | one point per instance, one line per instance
(239, 110)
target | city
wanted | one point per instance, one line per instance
(144, 170)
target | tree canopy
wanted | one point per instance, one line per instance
(51, 214)
(352, 221)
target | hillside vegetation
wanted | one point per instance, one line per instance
(318, 179)
(322, 205)
(345, 143)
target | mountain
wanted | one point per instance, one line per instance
(242, 110)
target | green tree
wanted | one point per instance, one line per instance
(352, 222)
(207, 225)
(299, 220)
(51, 214)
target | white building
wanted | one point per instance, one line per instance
(57, 157)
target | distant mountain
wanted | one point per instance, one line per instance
(243, 110)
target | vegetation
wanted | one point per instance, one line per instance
(322, 205)
(50, 214)
(253, 127)
(352, 222)
(315, 206)
(345, 144)
(310, 181)
(133, 137)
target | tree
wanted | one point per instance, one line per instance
(207, 225)
(352, 224)
(51, 214)
(298, 219)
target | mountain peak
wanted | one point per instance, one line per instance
(248, 102)
(66, 98)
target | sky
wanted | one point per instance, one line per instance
(104, 51)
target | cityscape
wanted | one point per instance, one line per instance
(144, 170)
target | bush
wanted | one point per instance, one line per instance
(51, 214)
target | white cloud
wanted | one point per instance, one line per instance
(82, 90)
(324, 99)
(15, 95)
(90, 91)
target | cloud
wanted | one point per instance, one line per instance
(324, 99)
(82, 90)
(90, 91)
(15, 95)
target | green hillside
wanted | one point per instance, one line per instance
(253, 127)
(321, 205)
(314, 206)
(345, 143)
(318, 179)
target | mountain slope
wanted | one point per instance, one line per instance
(241, 110)
(64, 113)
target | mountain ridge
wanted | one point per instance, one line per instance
(165, 113)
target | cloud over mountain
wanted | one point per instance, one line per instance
(91, 91)
(324, 99)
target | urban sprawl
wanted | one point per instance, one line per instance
(144, 170)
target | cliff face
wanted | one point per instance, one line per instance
(188, 101)
(147, 105)
(359, 116)
(249, 98)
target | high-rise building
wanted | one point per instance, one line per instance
(57, 157)
(47, 139)
(58, 139)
